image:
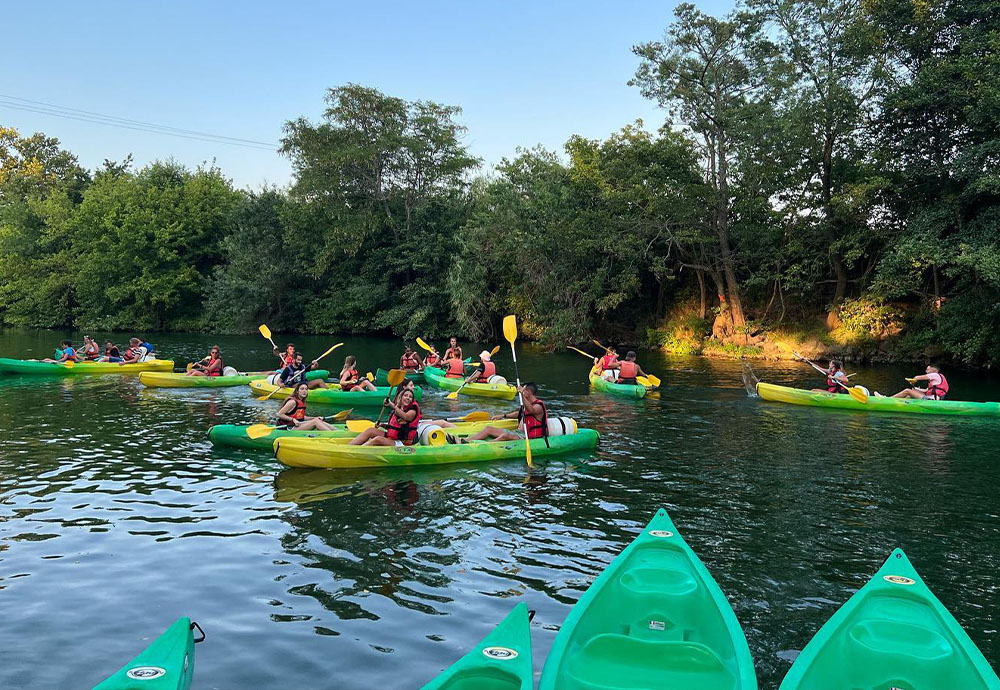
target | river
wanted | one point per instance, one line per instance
(117, 517)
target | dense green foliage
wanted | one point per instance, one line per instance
(826, 163)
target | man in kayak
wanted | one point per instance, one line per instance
(453, 349)
(66, 354)
(628, 370)
(533, 416)
(401, 430)
(111, 353)
(287, 357)
(292, 414)
(133, 354)
(209, 366)
(937, 385)
(296, 372)
(350, 377)
(484, 371)
(410, 361)
(603, 364)
(834, 374)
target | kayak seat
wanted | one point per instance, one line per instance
(878, 637)
(649, 580)
(611, 661)
(483, 679)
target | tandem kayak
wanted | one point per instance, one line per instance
(156, 379)
(319, 452)
(167, 664)
(28, 366)
(382, 377)
(436, 378)
(332, 395)
(798, 396)
(892, 633)
(654, 618)
(623, 389)
(502, 660)
(235, 436)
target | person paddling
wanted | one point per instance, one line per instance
(432, 359)
(937, 385)
(91, 350)
(286, 357)
(209, 366)
(350, 378)
(603, 364)
(66, 354)
(410, 361)
(453, 349)
(628, 370)
(454, 367)
(534, 415)
(834, 373)
(401, 430)
(111, 353)
(484, 371)
(292, 414)
(295, 373)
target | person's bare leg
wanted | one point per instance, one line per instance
(380, 441)
(365, 436)
(910, 393)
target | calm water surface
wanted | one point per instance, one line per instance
(117, 516)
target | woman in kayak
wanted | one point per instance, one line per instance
(209, 366)
(603, 364)
(91, 350)
(454, 367)
(532, 416)
(111, 353)
(834, 374)
(292, 414)
(66, 354)
(401, 430)
(295, 373)
(433, 359)
(287, 357)
(628, 370)
(937, 385)
(410, 361)
(453, 349)
(350, 379)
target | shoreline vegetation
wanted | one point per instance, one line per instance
(827, 180)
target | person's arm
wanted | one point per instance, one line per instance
(314, 364)
(285, 409)
(640, 372)
(404, 415)
(479, 369)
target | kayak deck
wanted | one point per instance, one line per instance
(166, 664)
(798, 396)
(436, 378)
(625, 390)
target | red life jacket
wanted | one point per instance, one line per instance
(398, 430)
(92, 352)
(832, 386)
(351, 382)
(286, 360)
(214, 372)
(536, 428)
(606, 361)
(432, 360)
(489, 369)
(938, 391)
(300, 410)
(456, 369)
(627, 371)
(409, 361)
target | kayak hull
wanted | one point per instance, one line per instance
(166, 664)
(654, 618)
(436, 378)
(317, 452)
(892, 633)
(382, 377)
(332, 395)
(620, 389)
(502, 661)
(798, 396)
(156, 379)
(23, 366)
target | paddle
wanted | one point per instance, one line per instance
(648, 380)
(395, 377)
(298, 377)
(477, 416)
(266, 332)
(261, 430)
(854, 391)
(585, 354)
(510, 333)
(421, 343)
(454, 394)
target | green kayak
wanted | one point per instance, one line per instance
(332, 395)
(30, 366)
(654, 618)
(167, 664)
(623, 389)
(502, 661)
(798, 396)
(436, 377)
(893, 633)
(156, 379)
(382, 377)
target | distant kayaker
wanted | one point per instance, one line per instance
(209, 366)
(453, 349)
(410, 361)
(292, 414)
(287, 356)
(432, 359)
(603, 364)
(350, 378)
(454, 367)
(66, 353)
(91, 350)
(296, 372)
(146, 350)
(834, 373)
(401, 430)
(628, 370)
(937, 385)
(132, 354)
(111, 353)
(484, 371)
(534, 417)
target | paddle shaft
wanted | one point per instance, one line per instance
(524, 413)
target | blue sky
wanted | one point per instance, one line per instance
(525, 73)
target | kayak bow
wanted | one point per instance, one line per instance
(166, 664)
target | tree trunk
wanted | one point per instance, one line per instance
(702, 295)
(832, 321)
(722, 229)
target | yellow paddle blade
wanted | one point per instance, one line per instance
(341, 416)
(654, 381)
(597, 342)
(510, 328)
(452, 396)
(396, 377)
(328, 351)
(190, 366)
(478, 416)
(264, 331)
(370, 376)
(643, 381)
(911, 381)
(69, 363)
(588, 356)
(259, 430)
(421, 343)
(495, 350)
(858, 394)
(359, 425)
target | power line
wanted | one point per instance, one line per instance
(40, 107)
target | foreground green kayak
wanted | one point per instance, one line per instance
(623, 389)
(332, 395)
(156, 379)
(28, 366)
(654, 618)
(893, 633)
(167, 664)
(798, 396)
(320, 452)
(382, 377)
(502, 661)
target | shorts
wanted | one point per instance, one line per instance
(114, 359)
(399, 444)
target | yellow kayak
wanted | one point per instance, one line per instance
(436, 378)
(28, 366)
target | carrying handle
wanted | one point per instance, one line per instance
(195, 626)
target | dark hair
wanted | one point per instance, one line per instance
(531, 386)
(836, 363)
(68, 343)
(630, 355)
(935, 365)
(297, 355)
(295, 391)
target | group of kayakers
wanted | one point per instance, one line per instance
(624, 371)
(90, 351)
(936, 389)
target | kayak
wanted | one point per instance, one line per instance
(235, 436)
(27, 366)
(156, 379)
(798, 396)
(654, 618)
(332, 395)
(167, 664)
(436, 378)
(502, 661)
(320, 452)
(623, 389)
(382, 377)
(892, 633)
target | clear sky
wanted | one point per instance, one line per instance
(525, 73)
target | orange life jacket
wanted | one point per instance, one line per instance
(409, 361)
(489, 369)
(399, 430)
(627, 371)
(456, 369)
(937, 391)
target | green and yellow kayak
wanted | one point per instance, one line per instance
(382, 377)
(167, 664)
(502, 661)
(893, 633)
(654, 618)
(798, 396)
(436, 378)
(333, 453)
(28, 366)
(623, 389)
(331, 395)
(156, 379)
